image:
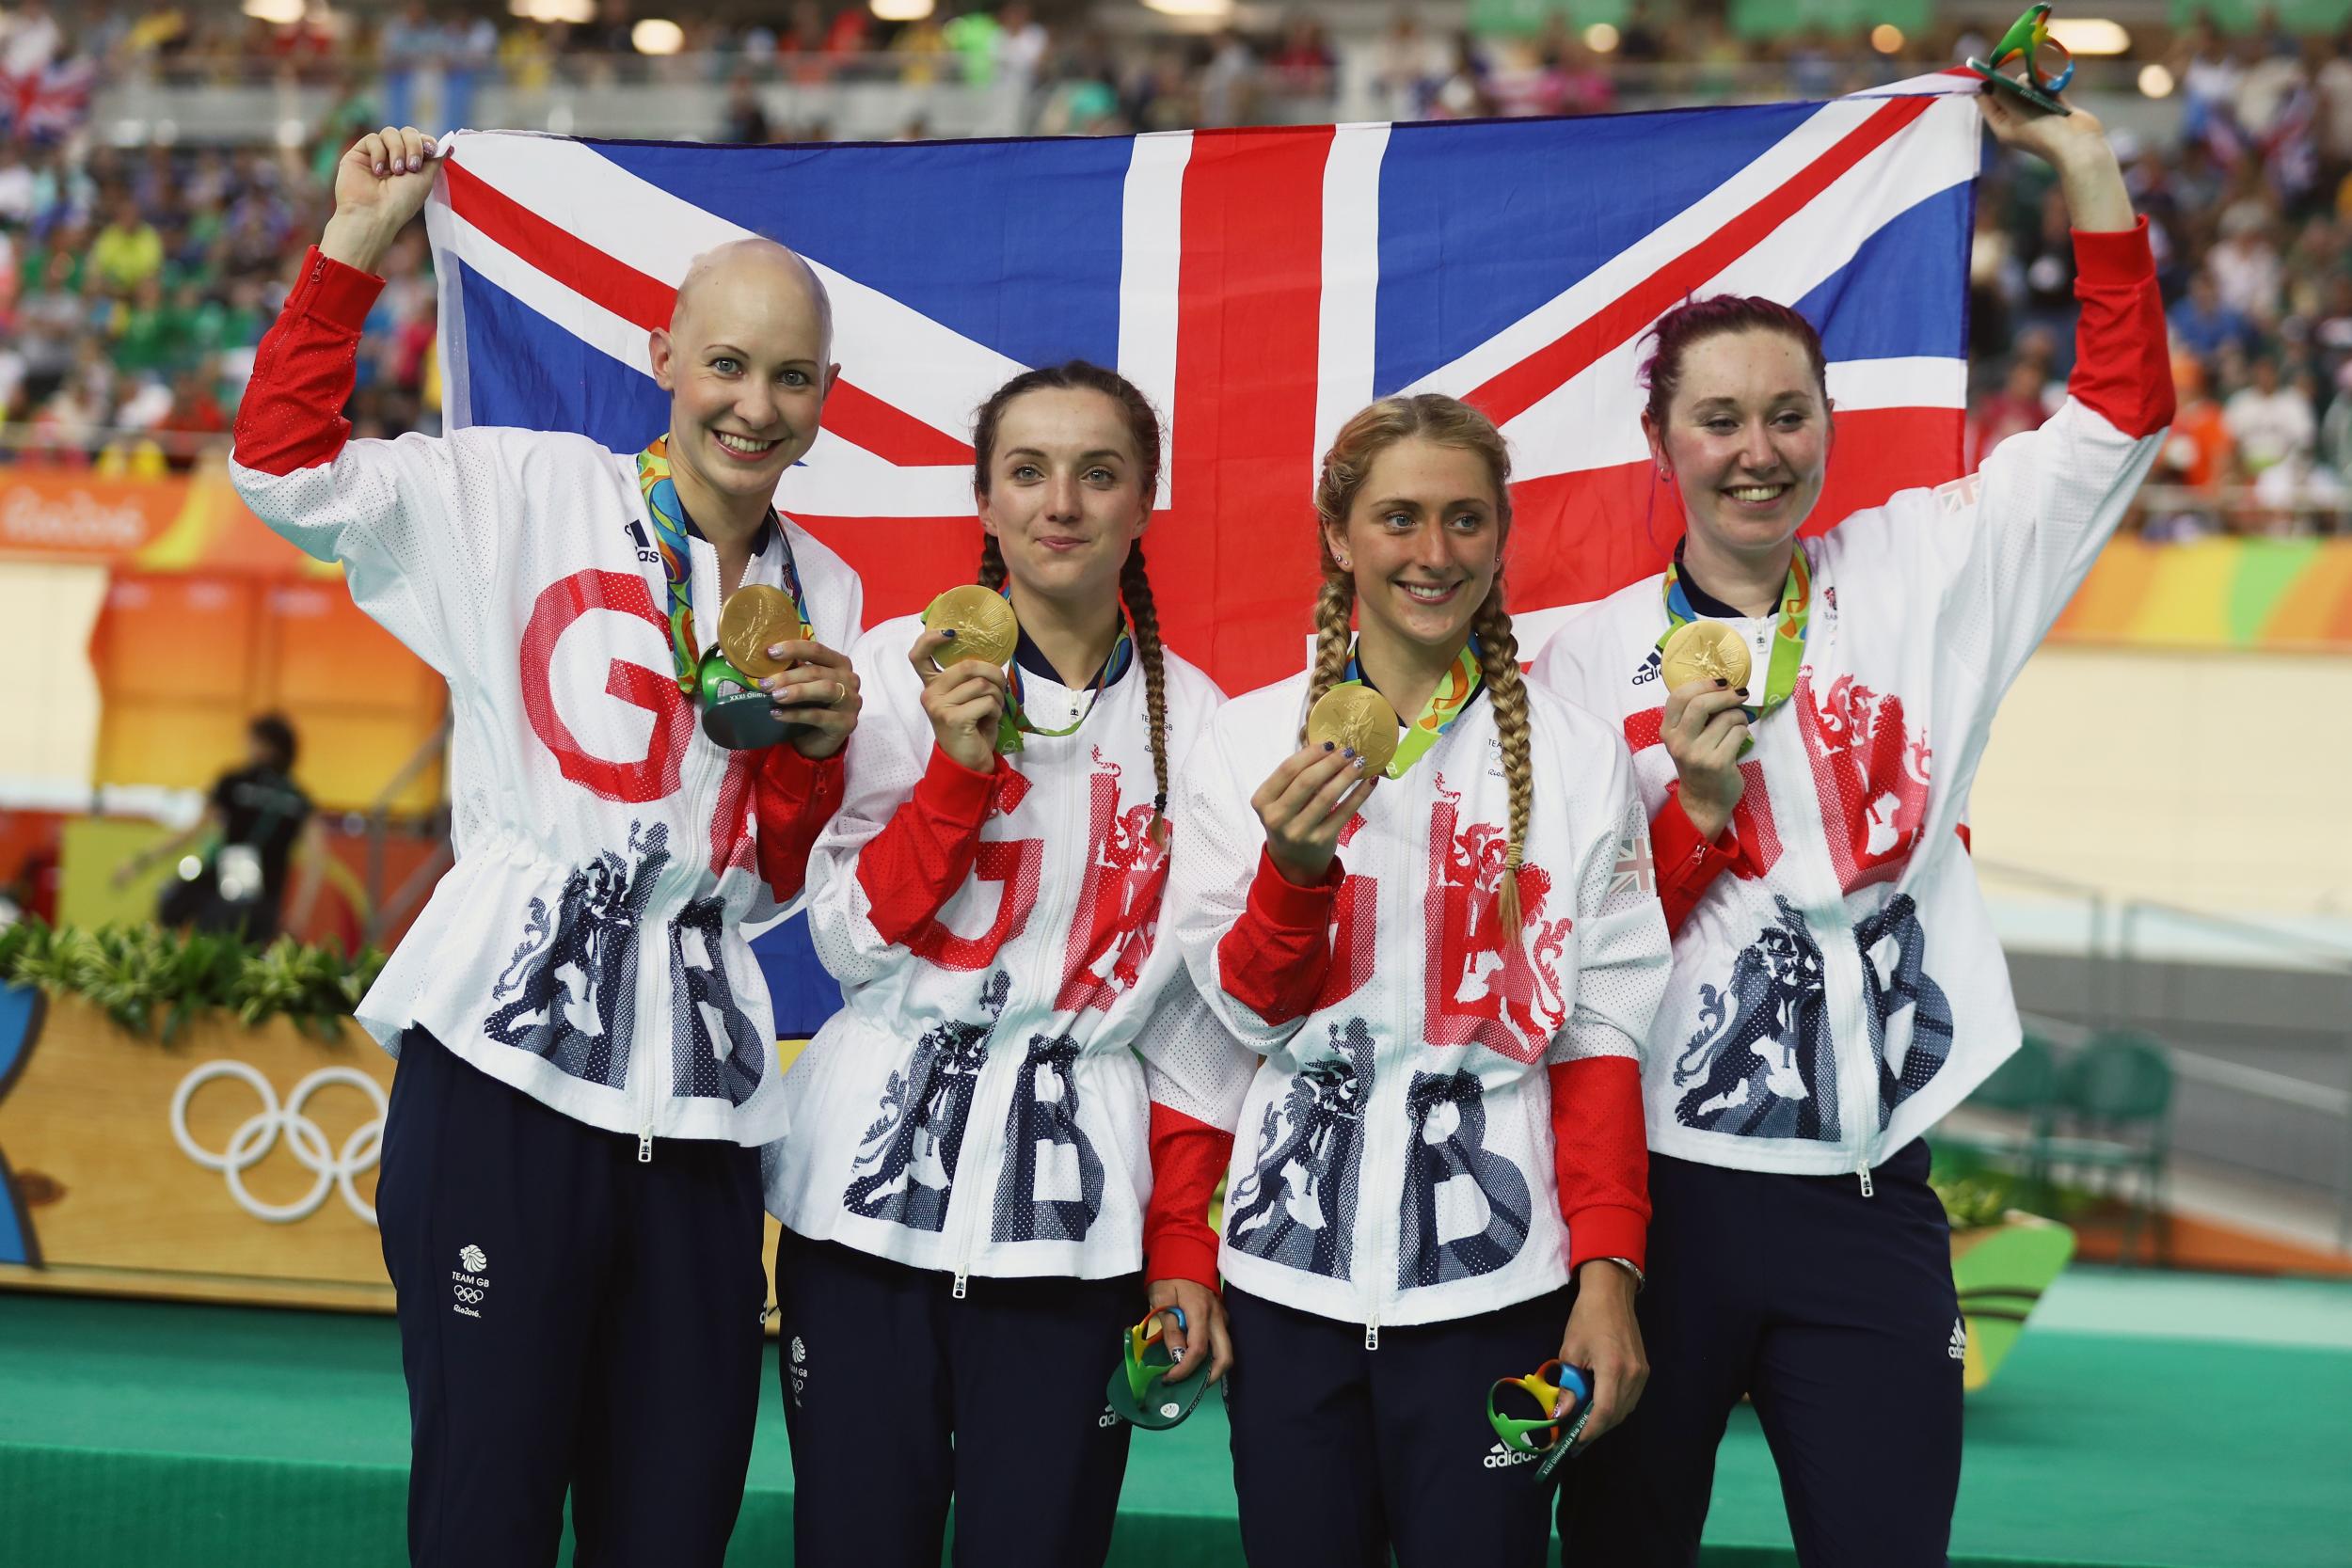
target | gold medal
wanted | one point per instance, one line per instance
(755, 617)
(1356, 716)
(985, 626)
(1705, 651)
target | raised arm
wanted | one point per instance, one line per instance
(2012, 543)
(412, 521)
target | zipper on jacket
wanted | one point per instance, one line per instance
(695, 820)
(1863, 1170)
(989, 1111)
(1371, 1331)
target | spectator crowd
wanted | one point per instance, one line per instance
(136, 280)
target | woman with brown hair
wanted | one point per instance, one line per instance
(1018, 1116)
(1809, 714)
(1448, 974)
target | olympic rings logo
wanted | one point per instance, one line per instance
(336, 1170)
(470, 1295)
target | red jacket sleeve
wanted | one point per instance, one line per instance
(913, 866)
(1687, 864)
(1600, 1157)
(2123, 354)
(792, 800)
(1274, 960)
(1187, 1157)
(290, 416)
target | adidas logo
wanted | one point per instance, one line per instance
(1649, 667)
(1501, 1458)
(1959, 1347)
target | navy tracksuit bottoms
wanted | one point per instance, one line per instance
(570, 1319)
(899, 1395)
(1835, 1313)
(1343, 1455)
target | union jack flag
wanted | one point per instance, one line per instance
(46, 105)
(1260, 286)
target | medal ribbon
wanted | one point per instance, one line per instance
(1014, 722)
(678, 561)
(1796, 610)
(1455, 691)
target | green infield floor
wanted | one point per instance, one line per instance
(2143, 1421)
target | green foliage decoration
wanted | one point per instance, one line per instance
(156, 982)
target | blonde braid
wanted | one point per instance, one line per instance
(1335, 610)
(1499, 667)
(1134, 585)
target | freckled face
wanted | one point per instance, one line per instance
(1746, 440)
(1423, 540)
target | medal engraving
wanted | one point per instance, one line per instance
(1356, 716)
(985, 626)
(749, 621)
(1705, 651)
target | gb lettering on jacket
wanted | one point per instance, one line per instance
(1122, 879)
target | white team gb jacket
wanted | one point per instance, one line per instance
(1839, 987)
(584, 947)
(1394, 1159)
(980, 1104)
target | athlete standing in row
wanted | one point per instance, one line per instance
(1449, 974)
(569, 1196)
(1842, 988)
(1019, 1113)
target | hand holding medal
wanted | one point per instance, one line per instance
(813, 690)
(960, 660)
(1705, 726)
(767, 681)
(1309, 799)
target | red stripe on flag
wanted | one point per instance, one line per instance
(1516, 391)
(1249, 312)
(851, 413)
(581, 267)
(903, 563)
(858, 417)
(1581, 536)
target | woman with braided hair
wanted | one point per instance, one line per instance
(1004, 1144)
(1447, 958)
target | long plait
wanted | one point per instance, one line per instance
(992, 562)
(1499, 667)
(1135, 586)
(1335, 612)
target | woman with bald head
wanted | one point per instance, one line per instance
(648, 720)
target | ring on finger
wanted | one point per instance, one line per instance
(840, 693)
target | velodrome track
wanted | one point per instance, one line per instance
(2143, 1421)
